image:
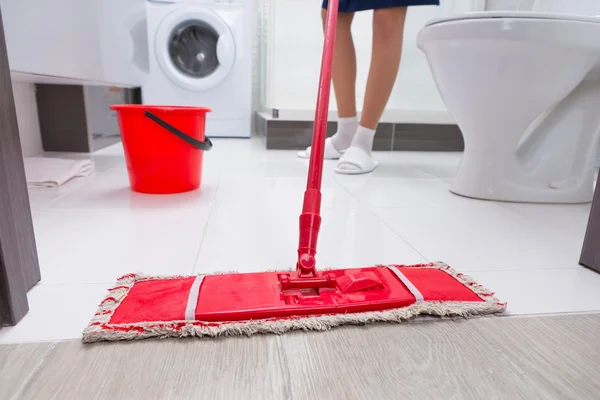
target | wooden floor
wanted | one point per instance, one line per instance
(554, 357)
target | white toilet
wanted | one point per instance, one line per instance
(524, 88)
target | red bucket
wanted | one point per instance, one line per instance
(163, 146)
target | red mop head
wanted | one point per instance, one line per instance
(245, 304)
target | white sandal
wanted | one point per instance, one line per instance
(331, 153)
(355, 161)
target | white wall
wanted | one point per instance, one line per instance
(295, 41)
(27, 117)
(256, 54)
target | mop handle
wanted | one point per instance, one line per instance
(317, 154)
(310, 220)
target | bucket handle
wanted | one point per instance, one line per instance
(205, 145)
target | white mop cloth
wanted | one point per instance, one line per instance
(53, 172)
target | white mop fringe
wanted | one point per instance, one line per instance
(100, 329)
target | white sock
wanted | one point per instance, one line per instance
(363, 139)
(346, 128)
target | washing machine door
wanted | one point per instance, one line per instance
(195, 48)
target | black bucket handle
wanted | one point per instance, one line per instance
(205, 145)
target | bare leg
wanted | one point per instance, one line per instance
(344, 65)
(344, 86)
(388, 31)
(343, 75)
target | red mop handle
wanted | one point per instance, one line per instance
(310, 219)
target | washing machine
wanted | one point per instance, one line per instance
(201, 55)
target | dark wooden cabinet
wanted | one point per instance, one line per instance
(19, 266)
(590, 254)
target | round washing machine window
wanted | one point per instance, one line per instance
(195, 48)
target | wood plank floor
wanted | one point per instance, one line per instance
(552, 357)
(18, 364)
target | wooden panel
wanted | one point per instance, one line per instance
(18, 364)
(512, 358)
(4, 310)
(19, 266)
(560, 353)
(234, 368)
(590, 253)
(423, 360)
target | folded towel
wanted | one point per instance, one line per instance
(53, 172)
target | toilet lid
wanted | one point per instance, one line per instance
(514, 15)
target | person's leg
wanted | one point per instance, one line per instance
(343, 76)
(388, 31)
(344, 81)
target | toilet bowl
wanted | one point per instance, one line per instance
(524, 88)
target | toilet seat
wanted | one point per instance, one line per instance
(573, 31)
(524, 88)
(482, 15)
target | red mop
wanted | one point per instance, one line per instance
(276, 302)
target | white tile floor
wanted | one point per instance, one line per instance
(95, 229)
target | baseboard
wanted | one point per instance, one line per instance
(297, 134)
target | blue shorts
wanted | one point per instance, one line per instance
(350, 6)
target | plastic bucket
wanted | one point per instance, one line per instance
(163, 146)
